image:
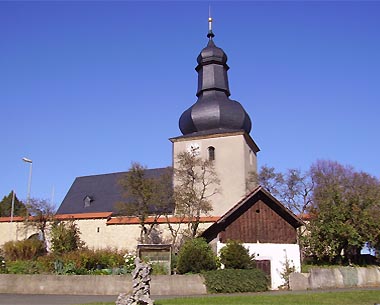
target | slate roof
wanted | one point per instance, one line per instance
(103, 190)
(243, 205)
(213, 110)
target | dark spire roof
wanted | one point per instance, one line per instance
(213, 110)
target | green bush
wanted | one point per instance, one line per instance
(235, 280)
(160, 269)
(196, 256)
(85, 261)
(65, 237)
(129, 263)
(82, 261)
(235, 256)
(28, 249)
(22, 267)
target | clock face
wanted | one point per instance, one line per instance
(194, 148)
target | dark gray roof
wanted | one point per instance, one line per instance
(214, 109)
(104, 191)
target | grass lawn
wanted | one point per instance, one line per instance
(359, 297)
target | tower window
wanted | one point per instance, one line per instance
(211, 153)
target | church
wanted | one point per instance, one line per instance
(216, 128)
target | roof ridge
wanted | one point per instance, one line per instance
(123, 172)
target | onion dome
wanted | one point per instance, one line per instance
(213, 112)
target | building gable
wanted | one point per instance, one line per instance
(260, 223)
(259, 217)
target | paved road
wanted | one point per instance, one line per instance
(53, 299)
(46, 299)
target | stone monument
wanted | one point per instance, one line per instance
(141, 286)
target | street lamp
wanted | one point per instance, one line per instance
(30, 178)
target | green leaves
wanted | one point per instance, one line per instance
(235, 256)
(65, 237)
(6, 206)
(345, 211)
(196, 256)
(235, 280)
(343, 206)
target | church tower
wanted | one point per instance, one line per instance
(218, 128)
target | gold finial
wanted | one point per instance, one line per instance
(210, 33)
(209, 18)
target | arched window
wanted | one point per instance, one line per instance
(211, 153)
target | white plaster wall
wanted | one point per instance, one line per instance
(277, 254)
(15, 231)
(98, 235)
(95, 233)
(234, 159)
(122, 236)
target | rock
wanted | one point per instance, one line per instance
(141, 286)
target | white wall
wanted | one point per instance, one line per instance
(15, 231)
(95, 233)
(277, 254)
(234, 160)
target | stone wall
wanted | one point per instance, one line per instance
(342, 277)
(98, 284)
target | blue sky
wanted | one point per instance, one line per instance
(88, 87)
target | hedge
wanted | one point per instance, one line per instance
(235, 280)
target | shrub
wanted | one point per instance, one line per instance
(129, 263)
(235, 256)
(22, 267)
(65, 237)
(235, 280)
(46, 263)
(28, 249)
(84, 261)
(81, 261)
(196, 256)
(160, 269)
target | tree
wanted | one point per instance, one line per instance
(65, 237)
(268, 178)
(6, 206)
(196, 182)
(343, 206)
(345, 212)
(41, 214)
(293, 188)
(146, 196)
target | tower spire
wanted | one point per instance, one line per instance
(210, 34)
(214, 111)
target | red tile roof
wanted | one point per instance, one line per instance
(95, 215)
(135, 220)
(15, 219)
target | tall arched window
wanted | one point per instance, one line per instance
(211, 153)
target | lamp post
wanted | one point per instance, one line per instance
(30, 178)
